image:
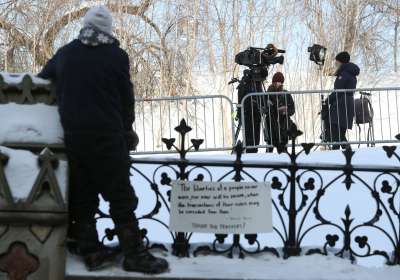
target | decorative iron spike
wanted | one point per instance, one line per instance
(348, 181)
(294, 133)
(196, 143)
(307, 147)
(168, 142)
(389, 150)
(347, 211)
(183, 128)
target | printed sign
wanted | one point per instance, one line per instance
(221, 207)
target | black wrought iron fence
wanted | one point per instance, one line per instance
(345, 208)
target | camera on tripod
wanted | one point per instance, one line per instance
(258, 60)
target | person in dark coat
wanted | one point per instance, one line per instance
(278, 110)
(252, 113)
(340, 115)
(96, 106)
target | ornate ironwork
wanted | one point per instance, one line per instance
(299, 191)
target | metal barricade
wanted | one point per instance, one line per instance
(210, 117)
(376, 117)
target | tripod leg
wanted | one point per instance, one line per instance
(238, 128)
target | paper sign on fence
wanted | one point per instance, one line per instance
(221, 207)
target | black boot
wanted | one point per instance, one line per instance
(95, 255)
(137, 257)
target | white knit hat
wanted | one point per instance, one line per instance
(100, 18)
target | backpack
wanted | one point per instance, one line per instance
(363, 110)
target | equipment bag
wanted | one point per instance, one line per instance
(363, 110)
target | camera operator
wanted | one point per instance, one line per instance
(258, 61)
(279, 108)
(252, 114)
(339, 106)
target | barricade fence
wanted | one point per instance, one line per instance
(210, 116)
(332, 119)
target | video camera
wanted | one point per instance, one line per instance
(259, 59)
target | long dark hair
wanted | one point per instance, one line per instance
(275, 88)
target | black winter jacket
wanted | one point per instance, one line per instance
(93, 86)
(278, 124)
(341, 104)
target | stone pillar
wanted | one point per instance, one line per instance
(33, 229)
(33, 216)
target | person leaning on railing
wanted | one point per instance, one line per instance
(96, 105)
(278, 110)
(340, 114)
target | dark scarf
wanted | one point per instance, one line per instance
(93, 37)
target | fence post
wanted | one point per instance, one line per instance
(181, 244)
(292, 247)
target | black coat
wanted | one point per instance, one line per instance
(341, 104)
(94, 91)
(278, 124)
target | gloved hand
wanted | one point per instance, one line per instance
(132, 140)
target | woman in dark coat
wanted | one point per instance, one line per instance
(341, 104)
(278, 110)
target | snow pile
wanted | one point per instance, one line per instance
(37, 123)
(14, 79)
(262, 266)
(22, 169)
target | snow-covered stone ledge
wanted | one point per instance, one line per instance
(28, 113)
(25, 88)
(33, 181)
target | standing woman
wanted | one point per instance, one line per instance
(341, 104)
(278, 110)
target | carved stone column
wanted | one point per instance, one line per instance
(33, 226)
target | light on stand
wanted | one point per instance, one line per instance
(317, 54)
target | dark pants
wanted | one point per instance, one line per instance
(335, 133)
(100, 165)
(252, 125)
(275, 133)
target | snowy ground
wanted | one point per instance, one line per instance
(262, 267)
